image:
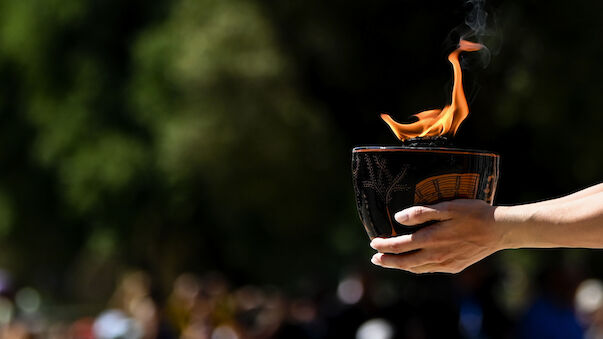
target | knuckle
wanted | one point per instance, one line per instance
(418, 212)
(387, 246)
(384, 245)
(398, 246)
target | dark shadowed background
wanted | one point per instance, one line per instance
(192, 158)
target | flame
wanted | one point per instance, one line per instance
(439, 121)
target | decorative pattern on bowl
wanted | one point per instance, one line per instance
(389, 179)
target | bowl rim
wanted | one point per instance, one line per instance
(426, 149)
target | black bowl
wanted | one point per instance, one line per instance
(390, 179)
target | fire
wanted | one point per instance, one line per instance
(440, 121)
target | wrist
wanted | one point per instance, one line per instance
(511, 220)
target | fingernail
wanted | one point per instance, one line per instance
(372, 244)
(401, 216)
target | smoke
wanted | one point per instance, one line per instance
(479, 26)
(476, 21)
(477, 17)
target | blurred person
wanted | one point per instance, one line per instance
(193, 323)
(467, 231)
(221, 302)
(133, 309)
(133, 296)
(204, 308)
(182, 299)
(115, 324)
(551, 313)
(132, 287)
(15, 330)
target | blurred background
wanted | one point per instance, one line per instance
(181, 169)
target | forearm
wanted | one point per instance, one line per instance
(572, 221)
(570, 197)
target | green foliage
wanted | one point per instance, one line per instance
(186, 142)
(223, 109)
(215, 134)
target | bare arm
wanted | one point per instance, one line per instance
(469, 230)
(562, 223)
(577, 195)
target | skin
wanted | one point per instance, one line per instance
(467, 231)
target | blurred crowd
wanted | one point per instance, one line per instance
(566, 305)
(207, 306)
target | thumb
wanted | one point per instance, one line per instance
(420, 214)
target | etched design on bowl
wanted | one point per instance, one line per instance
(446, 187)
(381, 181)
(389, 179)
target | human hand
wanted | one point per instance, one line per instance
(465, 232)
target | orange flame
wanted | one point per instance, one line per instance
(439, 121)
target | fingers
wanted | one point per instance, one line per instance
(423, 238)
(417, 262)
(419, 214)
(402, 243)
(445, 267)
(407, 261)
